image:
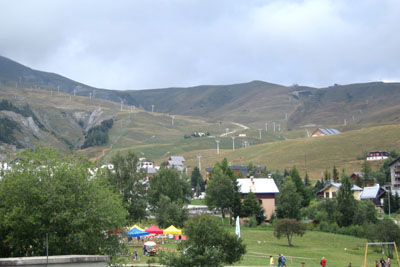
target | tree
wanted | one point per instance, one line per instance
(366, 169)
(219, 191)
(365, 212)
(327, 176)
(346, 202)
(307, 180)
(167, 194)
(335, 174)
(251, 207)
(130, 183)
(288, 201)
(197, 181)
(232, 203)
(169, 212)
(288, 228)
(300, 187)
(208, 244)
(48, 193)
(384, 231)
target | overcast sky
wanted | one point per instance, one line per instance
(120, 44)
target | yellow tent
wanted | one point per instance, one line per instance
(137, 227)
(172, 230)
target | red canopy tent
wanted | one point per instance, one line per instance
(154, 230)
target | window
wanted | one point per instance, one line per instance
(326, 194)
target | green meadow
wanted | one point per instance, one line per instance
(339, 250)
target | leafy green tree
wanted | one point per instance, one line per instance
(252, 207)
(170, 183)
(288, 201)
(130, 183)
(233, 204)
(365, 212)
(208, 244)
(48, 193)
(346, 202)
(219, 191)
(168, 192)
(300, 187)
(288, 228)
(384, 231)
(169, 212)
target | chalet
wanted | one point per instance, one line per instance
(377, 155)
(330, 191)
(323, 132)
(150, 172)
(395, 174)
(361, 179)
(177, 162)
(144, 163)
(374, 193)
(265, 190)
(237, 170)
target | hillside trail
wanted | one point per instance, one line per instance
(234, 131)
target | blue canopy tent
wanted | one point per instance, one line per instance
(135, 232)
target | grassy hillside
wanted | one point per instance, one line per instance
(364, 103)
(316, 153)
(253, 104)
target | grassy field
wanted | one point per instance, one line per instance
(315, 154)
(339, 250)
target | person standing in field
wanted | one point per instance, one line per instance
(389, 262)
(271, 261)
(323, 262)
(280, 260)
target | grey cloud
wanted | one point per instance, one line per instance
(154, 44)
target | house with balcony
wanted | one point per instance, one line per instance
(330, 191)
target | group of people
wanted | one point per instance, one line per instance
(281, 261)
(383, 263)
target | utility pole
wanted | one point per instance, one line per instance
(233, 143)
(217, 146)
(199, 158)
(259, 131)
